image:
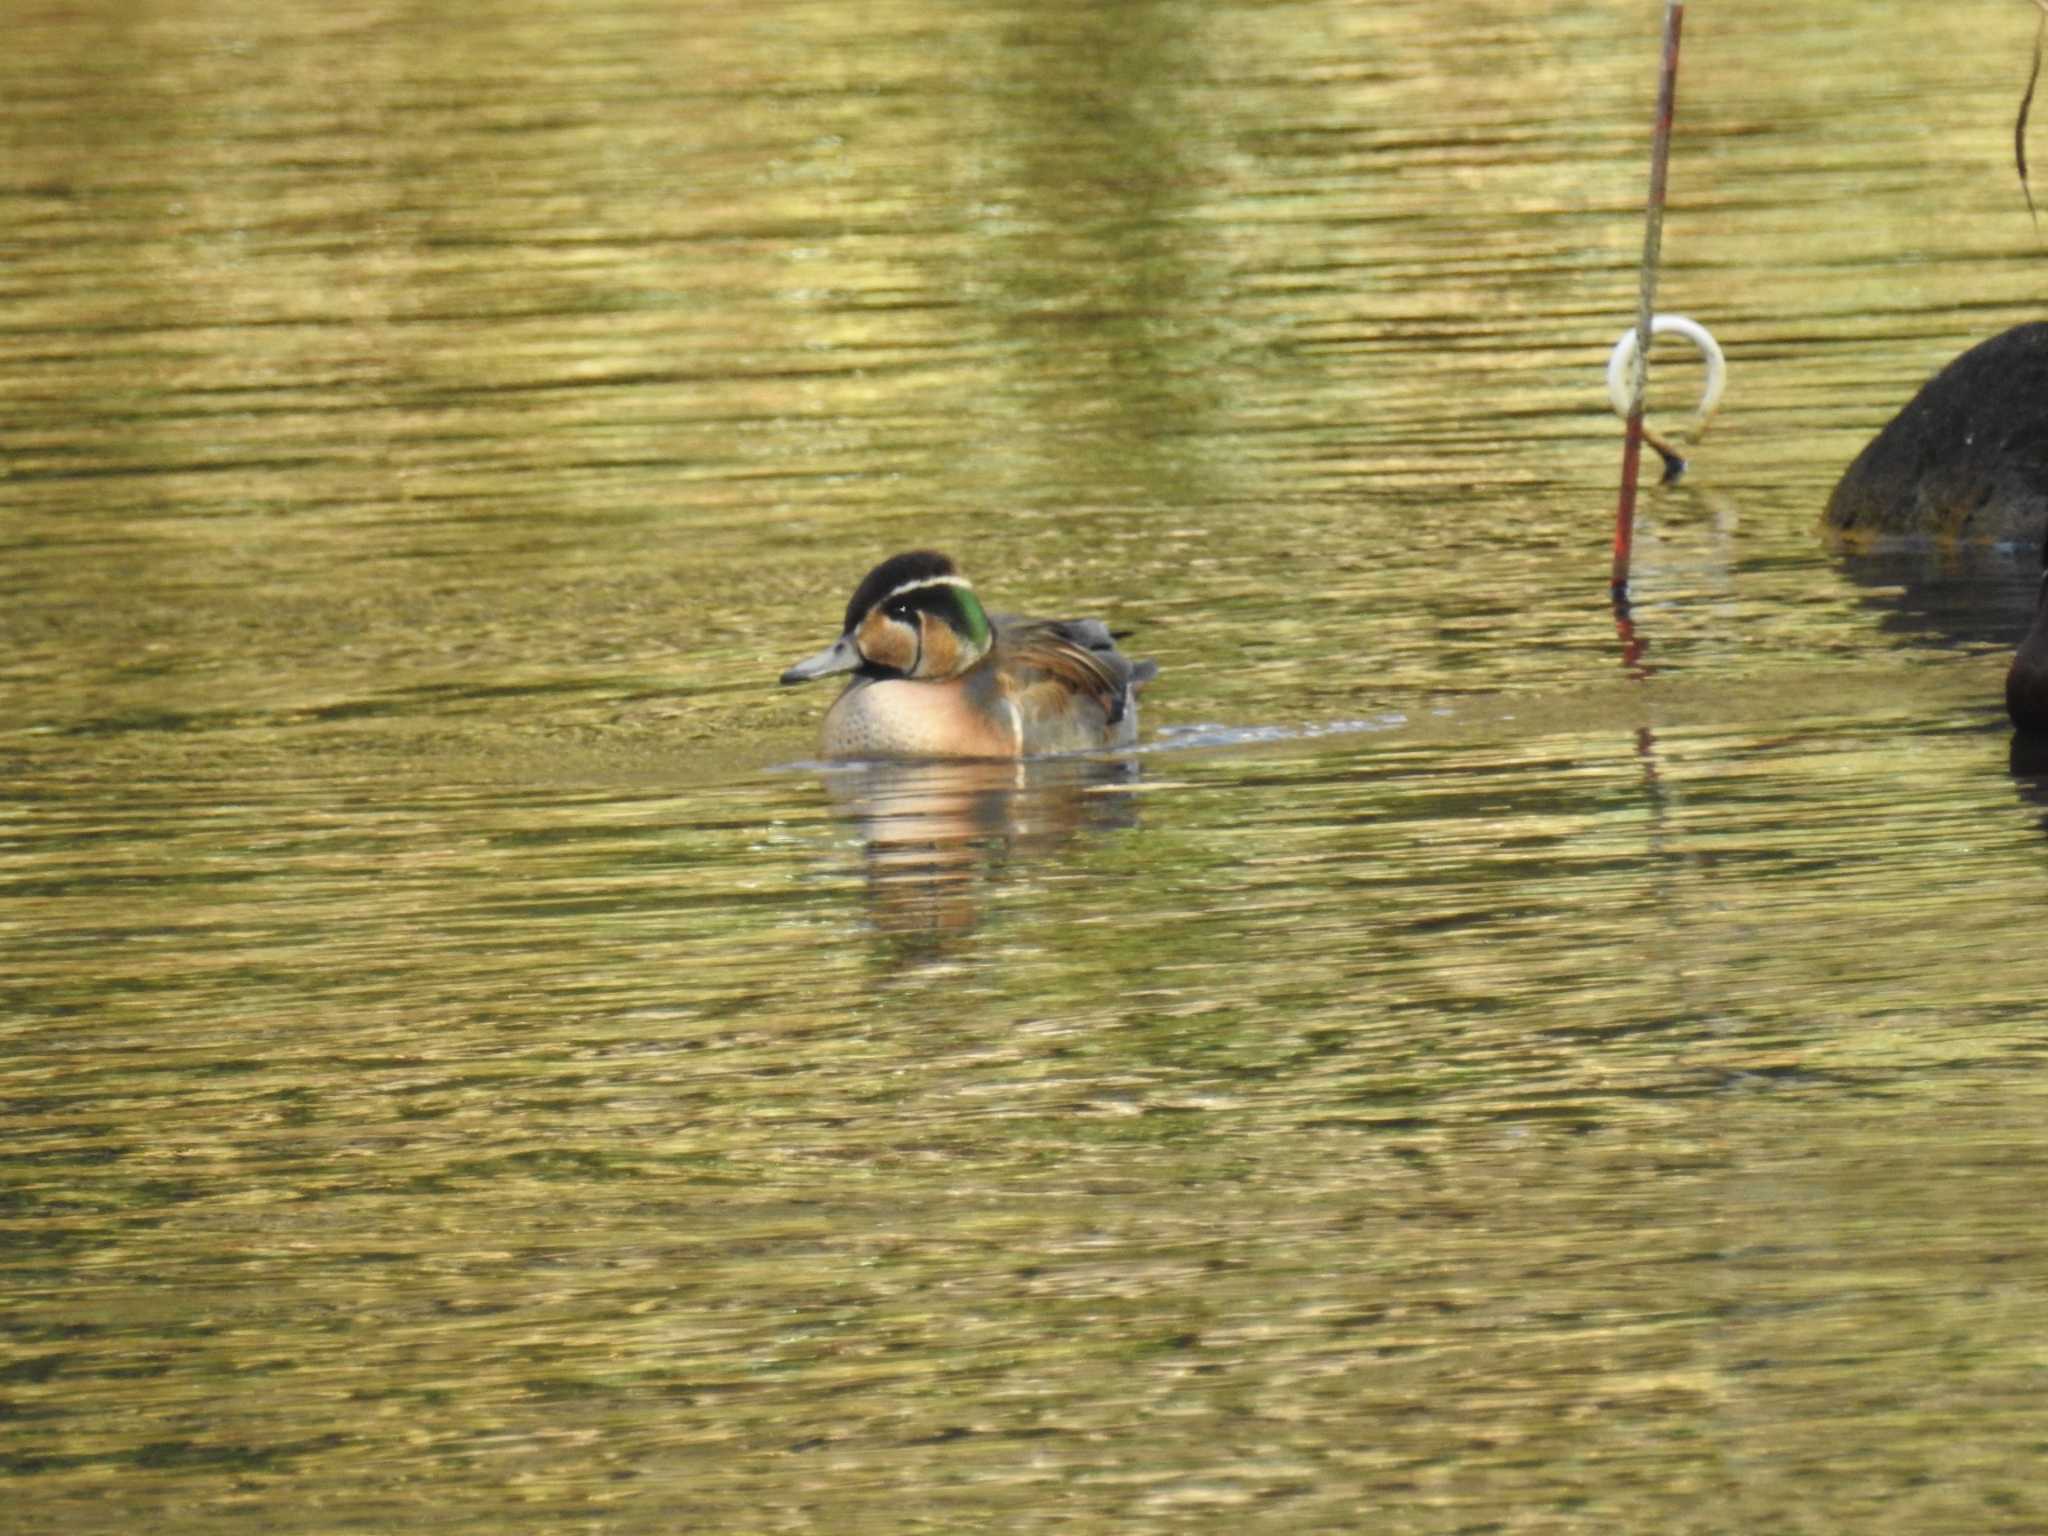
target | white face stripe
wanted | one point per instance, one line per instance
(926, 581)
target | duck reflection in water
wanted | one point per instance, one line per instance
(936, 834)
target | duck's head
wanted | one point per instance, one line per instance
(914, 615)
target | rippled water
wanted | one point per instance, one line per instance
(466, 1068)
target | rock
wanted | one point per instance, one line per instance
(1968, 456)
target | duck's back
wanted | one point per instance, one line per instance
(1073, 689)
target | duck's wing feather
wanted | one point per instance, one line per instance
(1064, 658)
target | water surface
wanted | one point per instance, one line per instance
(466, 1069)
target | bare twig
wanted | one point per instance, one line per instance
(2019, 127)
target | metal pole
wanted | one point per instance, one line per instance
(1646, 303)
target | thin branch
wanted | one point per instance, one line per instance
(2019, 127)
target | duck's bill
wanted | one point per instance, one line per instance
(839, 656)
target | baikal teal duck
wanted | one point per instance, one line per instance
(933, 674)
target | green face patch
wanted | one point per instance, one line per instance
(973, 621)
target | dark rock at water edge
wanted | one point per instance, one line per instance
(1967, 457)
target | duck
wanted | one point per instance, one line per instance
(935, 675)
(2026, 680)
